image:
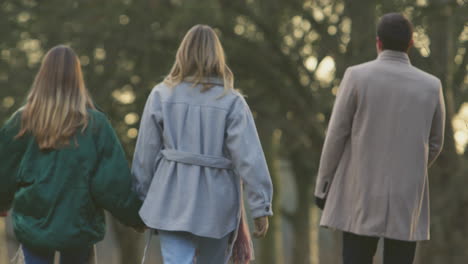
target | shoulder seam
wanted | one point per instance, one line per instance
(198, 105)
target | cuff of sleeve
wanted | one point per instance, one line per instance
(263, 210)
(140, 192)
(321, 190)
(320, 195)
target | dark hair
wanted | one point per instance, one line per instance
(395, 31)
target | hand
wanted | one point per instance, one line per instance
(261, 226)
(320, 202)
(4, 214)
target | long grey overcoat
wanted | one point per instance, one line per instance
(386, 129)
(193, 150)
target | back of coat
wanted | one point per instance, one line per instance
(386, 129)
(58, 195)
(193, 149)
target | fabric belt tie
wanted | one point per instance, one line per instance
(197, 159)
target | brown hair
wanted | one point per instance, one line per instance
(58, 102)
(200, 56)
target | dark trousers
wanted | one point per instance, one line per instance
(80, 256)
(361, 250)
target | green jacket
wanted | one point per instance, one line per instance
(58, 196)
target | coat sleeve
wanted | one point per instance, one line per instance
(436, 138)
(111, 185)
(339, 130)
(148, 147)
(11, 152)
(248, 159)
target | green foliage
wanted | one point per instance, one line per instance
(287, 56)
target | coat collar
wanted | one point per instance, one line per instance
(394, 56)
(207, 80)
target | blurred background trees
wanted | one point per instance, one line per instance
(288, 58)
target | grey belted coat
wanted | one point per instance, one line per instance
(386, 129)
(194, 148)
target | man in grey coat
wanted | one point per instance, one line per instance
(386, 129)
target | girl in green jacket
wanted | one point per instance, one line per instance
(61, 164)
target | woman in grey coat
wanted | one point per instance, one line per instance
(197, 146)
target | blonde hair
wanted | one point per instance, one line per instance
(58, 102)
(200, 56)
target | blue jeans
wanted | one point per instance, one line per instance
(80, 256)
(183, 248)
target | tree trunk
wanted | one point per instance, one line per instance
(271, 248)
(447, 169)
(442, 37)
(301, 219)
(302, 226)
(363, 32)
(314, 234)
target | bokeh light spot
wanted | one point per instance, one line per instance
(132, 133)
(131, 118)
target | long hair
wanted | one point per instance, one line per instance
(58, 102)
(200, 56)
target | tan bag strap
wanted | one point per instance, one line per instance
(19, 257)
(148, 242)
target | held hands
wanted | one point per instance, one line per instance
(261, 226)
